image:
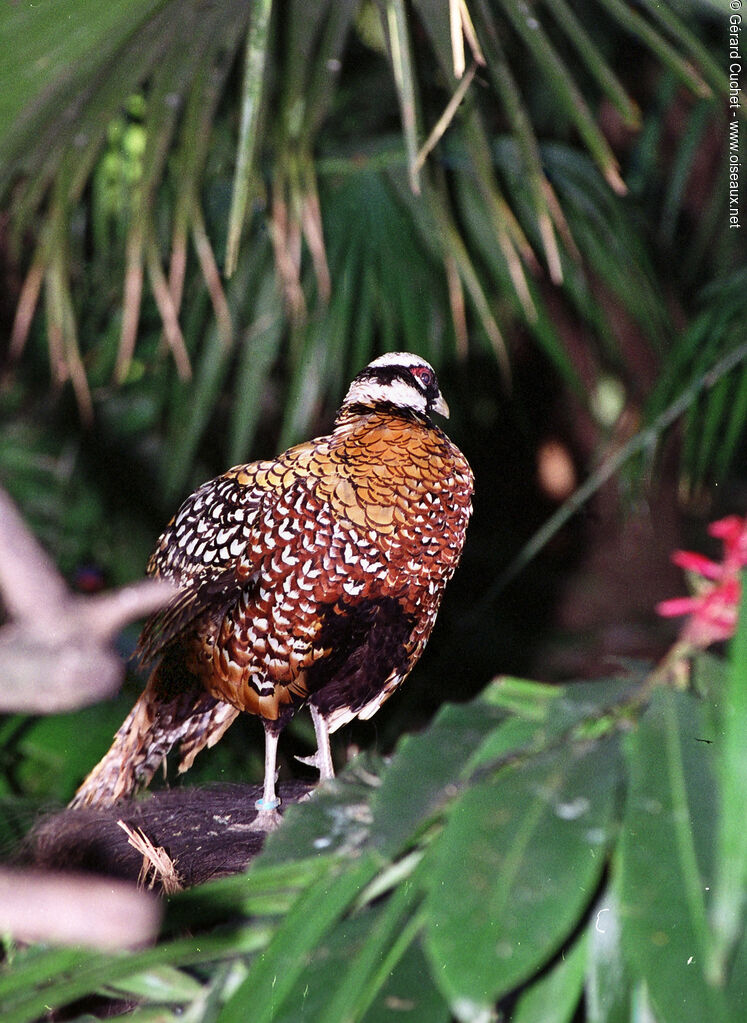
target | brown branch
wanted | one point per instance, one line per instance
(29, 582)
(55, 650)
(211, 276)
(133, 294)
(56, 654)
(166, 308)
(69, 910)
(206, 832)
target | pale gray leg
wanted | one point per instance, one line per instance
(323, 752)
(322, 759)
(269, 801)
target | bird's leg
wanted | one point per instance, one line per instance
(323, 751)
(269, 802)
(322, 759)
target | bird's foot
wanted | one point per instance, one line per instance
(312, 761)
(268, 818)
(322, 764)
(266, 821)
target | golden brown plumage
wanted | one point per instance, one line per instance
(312, 578)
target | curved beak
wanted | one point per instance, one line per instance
(441, 407)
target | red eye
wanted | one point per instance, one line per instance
(424, 375)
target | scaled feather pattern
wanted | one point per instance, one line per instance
(314, 578)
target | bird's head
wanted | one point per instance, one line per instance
(397, 380)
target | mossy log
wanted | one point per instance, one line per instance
(204, 833)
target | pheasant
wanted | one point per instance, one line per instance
(314, 578)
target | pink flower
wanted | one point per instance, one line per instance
(713, 606)
(733, 531)
(696, 563)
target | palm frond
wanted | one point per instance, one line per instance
(716, 424)
(503, 203)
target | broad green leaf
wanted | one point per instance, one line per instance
(324, 968)
(386, 941)
(165, 984)
(337, 821)
(531, 701)
(515, 866)
(426, 770)
(554, 997)
(544, 714)
(341, 965)
(264, 891)
(31, 968)
(566, 705)
(729, 903)
(709, 679)
(409, 994)
(736, 986)
(608, 989)
(665, 860)
(44, 979)
(273, 974)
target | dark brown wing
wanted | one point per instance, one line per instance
(213, 596)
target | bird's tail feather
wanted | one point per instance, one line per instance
(192, 719)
